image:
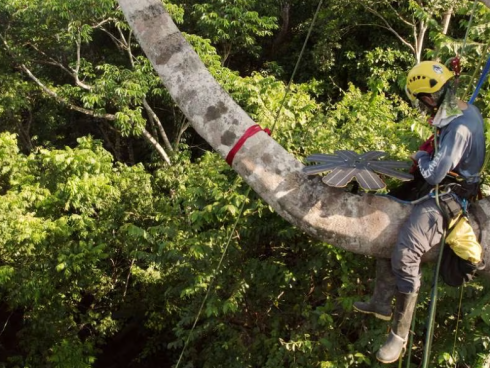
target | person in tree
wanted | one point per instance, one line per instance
(455, 163)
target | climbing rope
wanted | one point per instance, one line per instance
(288, 87)
(433, 303)
(251, 131)
(469, 25)
(483, 76)
(457, 322)
(470, 83)
(410, 342)
(213, 278)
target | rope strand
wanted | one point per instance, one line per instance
(216, 272)
(288, 87)
(457, 323)
(213, 278)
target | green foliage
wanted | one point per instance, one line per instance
(264, 97)
(94, 252)
(366, 122)
(237, 23)
(64, 210)
(387, 69)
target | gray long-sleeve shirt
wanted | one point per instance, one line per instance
(461, 148)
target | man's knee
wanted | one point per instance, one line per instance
(406, 268)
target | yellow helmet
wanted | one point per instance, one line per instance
(426, 77)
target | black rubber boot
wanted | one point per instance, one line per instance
(397, 339)
(384, 288)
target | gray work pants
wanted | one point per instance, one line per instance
(422, 230)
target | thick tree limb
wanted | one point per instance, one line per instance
(486, 2)
(366, 224)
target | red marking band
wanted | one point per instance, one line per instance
(248, 133)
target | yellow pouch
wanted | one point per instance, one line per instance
(462, 240)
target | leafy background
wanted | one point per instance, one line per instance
(114, 213)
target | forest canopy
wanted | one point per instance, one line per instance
(115, 214)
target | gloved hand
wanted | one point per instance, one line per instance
(427, 146)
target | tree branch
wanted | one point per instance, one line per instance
(101, 23)
(184, 124)
(151, 113)
(486, 2)
(64, 101)
(71, 72)
(155, 119)
(74, 74)
(419, 41)
(152, 141)
(408, 44)
(367, 224)
(114, 39)
(389, 27)
(408, 23)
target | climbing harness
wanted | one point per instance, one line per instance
(248, 133)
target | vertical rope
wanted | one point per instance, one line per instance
(216, 271)
(457, 323)
(468, 28)
(288, 87)
(433, 306)
(410, 339)
(433, 302)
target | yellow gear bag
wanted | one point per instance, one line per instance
(463, 241)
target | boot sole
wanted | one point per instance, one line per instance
(391, 361)
(377, 315)
(387, 361)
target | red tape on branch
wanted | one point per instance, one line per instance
(248, 133)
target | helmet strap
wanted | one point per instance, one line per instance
(427, 108)
(442, 96)
(438, 97)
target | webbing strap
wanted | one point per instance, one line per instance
(248, 133)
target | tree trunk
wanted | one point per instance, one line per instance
(363, 224)
(279, 39)
(446, 19)
(486, 2)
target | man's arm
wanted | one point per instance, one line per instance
(447, 158)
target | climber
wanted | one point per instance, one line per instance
(455, 166)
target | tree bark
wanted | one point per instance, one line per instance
(364, 224)
(486, 2)
(446, 19)
(279, 39)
